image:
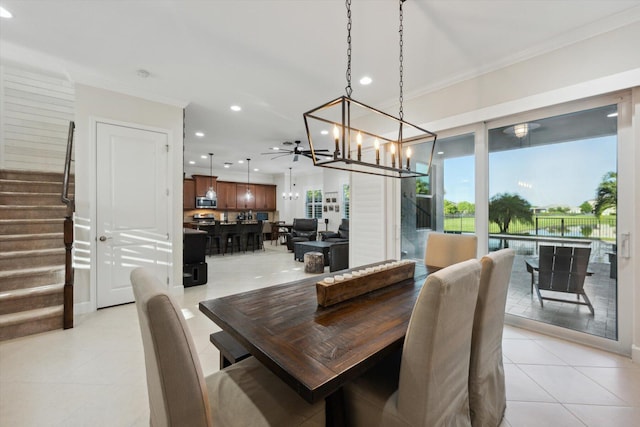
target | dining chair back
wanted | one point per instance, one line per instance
(445, 249)
(430, 387)
(245, 393)
(176, 385)
(487, 398)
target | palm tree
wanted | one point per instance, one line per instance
(506, 207)
(606, 194)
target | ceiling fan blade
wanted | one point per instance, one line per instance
(280, 155)
(280, 151)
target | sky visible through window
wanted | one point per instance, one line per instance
(565, 174)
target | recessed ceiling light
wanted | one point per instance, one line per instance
(275, 148)
(236, 108)
(191, 162)
(227, 165)
(204, 157)
(4, 13)
(613, 114)
(324, 132)
(256, 170)
(240, 161)
(366, 80)
(199, 134)
(441, 152)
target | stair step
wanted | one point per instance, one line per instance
(30, 277)
(31, 226)
(12, 185)
(30, 322)
(32, 212)
(17, 300)
(31, 258)
(19, 242)
(24, 175)
(20, 198)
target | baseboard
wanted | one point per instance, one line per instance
(635, 353)
(83, 308)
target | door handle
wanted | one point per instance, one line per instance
(104, 238)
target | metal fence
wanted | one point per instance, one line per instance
(545, 226)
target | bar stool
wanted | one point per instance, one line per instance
(254, 236)
(214, 237)
(231, 234)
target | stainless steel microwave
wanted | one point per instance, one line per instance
(204, 203)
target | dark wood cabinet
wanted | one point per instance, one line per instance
(188, 194)
(202, 184)
(241, 200)
(265, 197)
(226, 195)
(231, 195)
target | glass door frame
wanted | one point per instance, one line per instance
(626, 199)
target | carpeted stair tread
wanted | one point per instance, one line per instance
(30, 315)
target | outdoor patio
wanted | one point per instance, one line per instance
(600, 289)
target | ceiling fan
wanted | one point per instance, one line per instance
(297, 151)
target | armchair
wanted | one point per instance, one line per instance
(341, 236)
(303, 230)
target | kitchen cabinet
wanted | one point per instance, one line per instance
(202, 184)
(189, 194)
(226, 195)
(241, 200)
(265, 197)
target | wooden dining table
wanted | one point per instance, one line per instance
(315, 349)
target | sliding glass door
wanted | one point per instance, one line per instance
(553, 183)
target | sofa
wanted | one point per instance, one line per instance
(342, 235)
(303, 230)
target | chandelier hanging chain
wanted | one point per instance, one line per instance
(401, 30)
(348, 89)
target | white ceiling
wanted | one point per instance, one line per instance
(280, 58)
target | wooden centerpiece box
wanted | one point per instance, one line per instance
(342, 287)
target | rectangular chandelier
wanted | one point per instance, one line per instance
(348, 135)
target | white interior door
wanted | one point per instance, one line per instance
(132, 218)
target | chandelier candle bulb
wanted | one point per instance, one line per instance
(336, 137)
(393, 155)
(359, 140)
(376, 144)
(409, 158)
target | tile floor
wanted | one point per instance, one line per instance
(94, 373)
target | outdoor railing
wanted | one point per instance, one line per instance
(578, 226)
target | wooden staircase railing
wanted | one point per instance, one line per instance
(68, 234)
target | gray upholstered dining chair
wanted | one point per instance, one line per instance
(487, 398)
(246, 393)
(430, 387)
(444, 249)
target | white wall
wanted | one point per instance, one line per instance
(35, 110)
(93, 103)
(332, 182)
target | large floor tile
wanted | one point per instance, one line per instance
(599, 416)
(579, 355)
(520, 387)
(527, 351)
(623, 382)
(538, 414)
(568, 385)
